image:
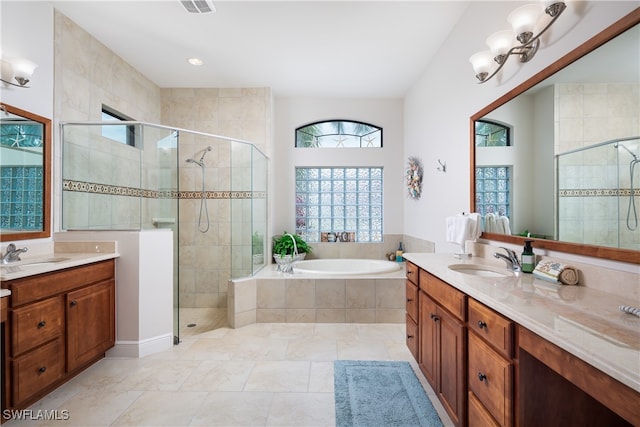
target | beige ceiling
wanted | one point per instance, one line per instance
(298, 48)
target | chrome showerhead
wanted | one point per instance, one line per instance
(635, 157)
(201, 161)
(197, 162)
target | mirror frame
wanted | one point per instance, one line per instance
(46, 179)
(617, 254)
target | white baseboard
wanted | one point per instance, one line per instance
(136, 349)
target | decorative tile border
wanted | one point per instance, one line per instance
(115, 190)
(599, 192)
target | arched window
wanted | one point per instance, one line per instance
(339, 134)
(492, 134)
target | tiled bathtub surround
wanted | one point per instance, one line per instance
(295, 298)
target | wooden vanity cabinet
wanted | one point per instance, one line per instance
(412, 309)
(490, 367)
(443, 343)
(489, 371)
(59, 323)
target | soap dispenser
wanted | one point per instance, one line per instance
(528, 260)
(399, 253)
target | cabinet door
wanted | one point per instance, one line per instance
(90, 323)
(452, 372)
(428, 341)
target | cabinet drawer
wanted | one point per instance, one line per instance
(36, 370)
(491, 380)
(412, 300)
(412, 337)
(478, 414)
(412, 273)
(36, 324)
(491, 326)
(444, 294)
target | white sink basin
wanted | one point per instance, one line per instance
(41, 262)
(480, 270)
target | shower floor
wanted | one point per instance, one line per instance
(204, 319)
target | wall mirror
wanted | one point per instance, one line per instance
(25, 183)
(568, 175)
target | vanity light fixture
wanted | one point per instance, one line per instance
(521, 41)
(17, 69)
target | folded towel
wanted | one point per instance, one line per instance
(458, 229)
(476, 227)
(556, 272)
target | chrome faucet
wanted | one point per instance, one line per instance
(511, 259)
(12, 254)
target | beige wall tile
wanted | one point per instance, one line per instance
(330, 293)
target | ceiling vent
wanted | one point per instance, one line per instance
(198, 6)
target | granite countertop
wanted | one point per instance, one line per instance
(65, 255)
(583, 321)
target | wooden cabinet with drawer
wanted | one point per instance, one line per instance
(442, 311)
(58, 323)
(490, 367)
(412, 309)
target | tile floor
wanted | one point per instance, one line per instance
(268, 374)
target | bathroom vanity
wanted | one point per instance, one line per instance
(60, 318)
(501, 349)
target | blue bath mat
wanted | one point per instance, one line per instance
(372, 393)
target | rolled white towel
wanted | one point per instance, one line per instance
(504, 225)
(490, 223)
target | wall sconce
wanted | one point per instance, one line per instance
(524, 21)
(17, 69)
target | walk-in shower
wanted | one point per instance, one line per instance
(203, 224)
(598, 194)
(109, 185)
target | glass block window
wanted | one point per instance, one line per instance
(492, 134)
(21, 207)
(492, 190)
(339, 200)
(339, 134)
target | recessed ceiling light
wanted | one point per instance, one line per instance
(195, 61)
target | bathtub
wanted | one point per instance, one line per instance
(333, 267)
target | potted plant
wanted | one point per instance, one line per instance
(257, 247)
(285, 251)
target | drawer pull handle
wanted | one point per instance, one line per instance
(482, 377)
(481, 324)
(409, 299)
(434, 318)
(41, 324)
(73, 303)
(409, 337)
(42, 369)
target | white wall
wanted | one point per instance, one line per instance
(438, 107)
(291, 113)
(33, 42)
